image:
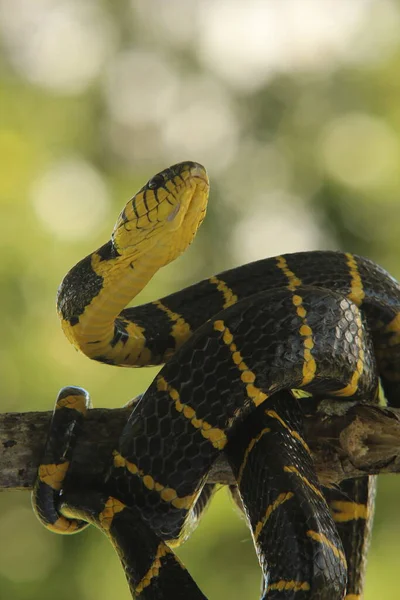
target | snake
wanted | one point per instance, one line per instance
(234, 347)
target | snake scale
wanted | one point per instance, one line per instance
(234, 346)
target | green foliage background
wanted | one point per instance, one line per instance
(303, 150)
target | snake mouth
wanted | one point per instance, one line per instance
(192, 188)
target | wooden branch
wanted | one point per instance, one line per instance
(361, 440)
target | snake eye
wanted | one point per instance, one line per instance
(155, 182)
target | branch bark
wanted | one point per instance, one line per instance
(361, 440)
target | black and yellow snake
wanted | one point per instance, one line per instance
(234, 346)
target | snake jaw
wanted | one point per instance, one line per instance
(184, 221)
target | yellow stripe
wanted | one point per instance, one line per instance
(166, 493)
(215, 435)
(95, 330)
(53, 475)
(349, 511)
(154, 570)
(247, 376)
(111, 508)
(180, 330)
(394, 325)
(353, 597)
(357, 293)
(294, 282)
(394, 328)
(295, 434)
(294, 586)
(248, 450)
(295, 471)
(229, 297)
(137, 352)
(284, 497)
(309, 365)
(351, 388)
(74, 401)
(63, 526)
(322, 539)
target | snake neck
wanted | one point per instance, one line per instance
(106, 283)
(153, 229)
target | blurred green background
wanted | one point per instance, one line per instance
(294, 107)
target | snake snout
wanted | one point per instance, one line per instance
(197, 170)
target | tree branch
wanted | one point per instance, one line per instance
(361, 440)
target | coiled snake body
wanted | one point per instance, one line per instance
(234, 346)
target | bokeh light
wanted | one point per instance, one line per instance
(361, 151)
(70, 198)
(60, 45)
(15, 565)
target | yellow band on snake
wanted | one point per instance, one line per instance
(154, 228)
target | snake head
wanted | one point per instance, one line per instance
(164, 215)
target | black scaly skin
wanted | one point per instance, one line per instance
(66, 425)
(159, 439)
(161, 448)
(202, 301)
(296, 540)
(354, 525)
(351, 503)
(152, 570)
(326, 269)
